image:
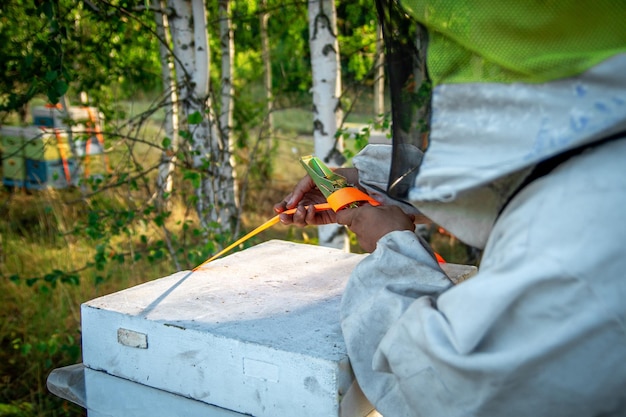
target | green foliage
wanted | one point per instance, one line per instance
(61, 46)
(115, 47)
(16, 410)
(356, 24)
(356, 141)
(291, 66)
(106, 245)
(247, 65)
(194, 118)
(32, 60)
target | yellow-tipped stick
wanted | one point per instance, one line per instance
(271, 222)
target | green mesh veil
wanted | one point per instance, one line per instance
(405, 45)
(482, 41)
(525, 40)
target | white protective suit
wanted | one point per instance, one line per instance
(541, 329)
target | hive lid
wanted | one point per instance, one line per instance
(279, 294)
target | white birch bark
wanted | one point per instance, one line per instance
(227, 188)
(215, 195)
(326, 91)
(181, 31)
(198, 102)
(192, 95)
(170, 124)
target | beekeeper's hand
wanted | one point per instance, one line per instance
(305, 193)
(370, 223)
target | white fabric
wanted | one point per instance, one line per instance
(482, 131)
(373, 165)
(484, 137)
(472, 214)
(539, 331)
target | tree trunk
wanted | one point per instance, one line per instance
(190, 44)
(170, 124)
(326, 90)
(227, 189)
(192, 65)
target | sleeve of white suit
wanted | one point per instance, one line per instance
(540, 330)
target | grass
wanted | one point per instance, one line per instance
(40, 329)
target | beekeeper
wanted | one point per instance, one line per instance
(526, 159)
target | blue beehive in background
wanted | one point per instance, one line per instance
(40, 156)
(86, 126)
(49, 161)
(54, 174)
(36, 158)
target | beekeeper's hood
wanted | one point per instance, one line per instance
(513, 83)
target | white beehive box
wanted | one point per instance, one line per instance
(256, 332)
(110, 396)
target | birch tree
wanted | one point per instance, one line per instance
(326, 91)
(170, 125)
(210, 151)
(226, 187)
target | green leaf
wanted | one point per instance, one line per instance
(192, 177)
(159, 220)
(185, 134)
(48, 10)
(194, 118)
(61, 87)
(51, 76)
(53, 97)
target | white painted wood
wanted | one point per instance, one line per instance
(132, 339)
(109, 396)
(256, 332)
